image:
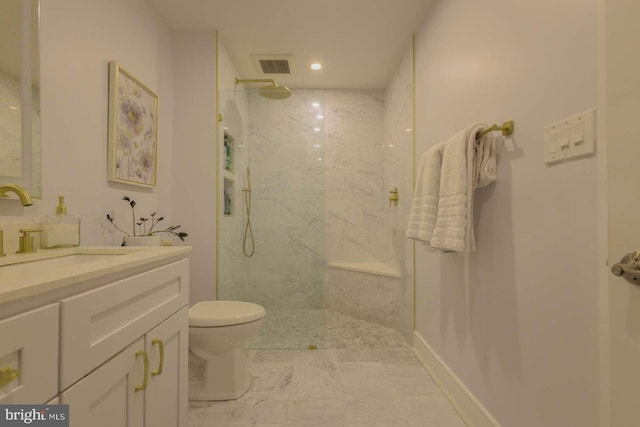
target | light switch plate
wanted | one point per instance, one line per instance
(569, 138)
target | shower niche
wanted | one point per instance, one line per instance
(228, 196)
(229, 152)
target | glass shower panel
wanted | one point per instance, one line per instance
(281, 143)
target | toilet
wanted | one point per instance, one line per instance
(218, 335)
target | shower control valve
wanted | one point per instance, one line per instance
(393, 197)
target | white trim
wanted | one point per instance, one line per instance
(603, 221)
(468, 406)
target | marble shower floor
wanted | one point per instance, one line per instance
(361, 375)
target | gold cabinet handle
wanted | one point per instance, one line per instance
(161, 350)
(145, 358)
(7, 375)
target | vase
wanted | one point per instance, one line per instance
(142, 240)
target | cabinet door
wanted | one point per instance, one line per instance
(29, 356)
(99, 323)
(166, 394)
(107, 396)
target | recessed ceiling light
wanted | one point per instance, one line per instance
(316, 129)
(316, 66)
(319, 117)
(315, 105)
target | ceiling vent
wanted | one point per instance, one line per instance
(273, 64)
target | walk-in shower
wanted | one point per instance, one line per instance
(308, 176)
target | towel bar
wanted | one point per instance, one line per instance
(506, 128)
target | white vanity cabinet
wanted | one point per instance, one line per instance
(123, 392)
(102, 329)
(166, 393)
(124, 349)
(106, 397)
(29, 356)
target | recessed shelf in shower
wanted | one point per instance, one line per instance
(229, 151)
(228, 196)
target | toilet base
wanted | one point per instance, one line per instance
(223, 377)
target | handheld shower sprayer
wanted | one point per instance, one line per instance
(248, 231)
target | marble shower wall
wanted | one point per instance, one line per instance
(316, 163)
(285, 156)
(364, 296)
(355, 199)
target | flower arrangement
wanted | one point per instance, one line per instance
(151, 222)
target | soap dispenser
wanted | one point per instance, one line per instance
(60, 230)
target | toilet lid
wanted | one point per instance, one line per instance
(224, 313)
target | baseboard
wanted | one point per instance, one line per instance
(469, 408)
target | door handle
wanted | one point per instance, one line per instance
(628, 267)
(145, 358)
(7, 375)
(161, 350)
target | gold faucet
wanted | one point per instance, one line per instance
(26, 241)
(25, 199)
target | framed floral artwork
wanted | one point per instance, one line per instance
(133, 130)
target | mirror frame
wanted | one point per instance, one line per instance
(30, 122)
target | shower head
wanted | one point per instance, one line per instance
(275, 92)
(272, 91)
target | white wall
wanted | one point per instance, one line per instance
(194, 153)
(78, 39)
(518, 323)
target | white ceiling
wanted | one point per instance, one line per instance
(359, 42)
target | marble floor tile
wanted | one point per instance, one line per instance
(249, 410)
(361, 375)
(271, 356)
(402, 356)
(374, 410)
(316, 412)
(356, 355)
(430, 411)
(271, 377)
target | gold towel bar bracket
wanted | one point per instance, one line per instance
(506, 128)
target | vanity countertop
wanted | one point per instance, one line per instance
(51, 271)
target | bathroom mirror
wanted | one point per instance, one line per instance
(20, 154)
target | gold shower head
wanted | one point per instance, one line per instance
(272, 91)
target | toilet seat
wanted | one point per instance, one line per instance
(210, 314)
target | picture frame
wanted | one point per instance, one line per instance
(133, 130)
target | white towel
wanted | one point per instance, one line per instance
(424, 207)
(467, 164)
